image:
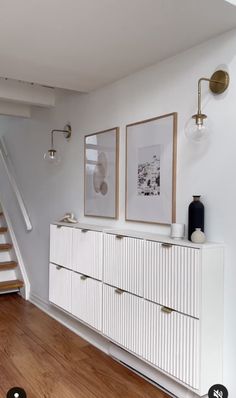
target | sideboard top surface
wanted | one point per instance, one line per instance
(142, 235)
(78, 225)
(162, 238)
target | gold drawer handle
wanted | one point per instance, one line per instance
(119, 236)
(119, 291)
(167, 310)
(58, 267)
(83, 277)
(166, 245)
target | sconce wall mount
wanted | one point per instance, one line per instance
(196, 129)
(219, 82)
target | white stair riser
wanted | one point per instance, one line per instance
(9, 291)
(6, 256)
(7, 275)
(3, 238)
(2, 222)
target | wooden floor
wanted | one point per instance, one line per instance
(49, 361)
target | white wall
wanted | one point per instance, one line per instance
(210, 171)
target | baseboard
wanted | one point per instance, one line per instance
(158, 378)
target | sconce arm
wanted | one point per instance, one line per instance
(66, 132)
(199, 91)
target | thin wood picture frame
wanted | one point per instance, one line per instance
(151, 161)
(101, 174)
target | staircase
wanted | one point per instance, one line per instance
(10, 275)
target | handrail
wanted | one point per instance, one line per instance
(9, 169)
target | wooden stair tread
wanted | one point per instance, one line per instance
(5, 246)
(5, 265)
(10, 285)
(3, 230)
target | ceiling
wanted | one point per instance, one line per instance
(84, 44)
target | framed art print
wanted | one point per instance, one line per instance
(101, 153)
(151, 170)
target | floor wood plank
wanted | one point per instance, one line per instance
(49, 361)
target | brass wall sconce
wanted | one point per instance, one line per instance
(197, 128)
(52, 155)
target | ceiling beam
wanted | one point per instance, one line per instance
(15, 109)
(26, 93)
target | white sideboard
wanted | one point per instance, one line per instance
(159, 299)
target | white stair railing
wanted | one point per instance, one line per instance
(10, 173)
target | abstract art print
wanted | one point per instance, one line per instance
(101, 152)
(151, 170)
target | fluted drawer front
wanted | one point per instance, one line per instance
(61, 245)
(60, 286)
(171, 276)
(123, 263)
(122, 313)
(87, 252)
(171, 342)
(87, 300)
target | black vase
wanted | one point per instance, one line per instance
(195, 215)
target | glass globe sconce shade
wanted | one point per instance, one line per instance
(197, 129)
(52, 156)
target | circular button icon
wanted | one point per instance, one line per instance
(16, 392)
(218, 391)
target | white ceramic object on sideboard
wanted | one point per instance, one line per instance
(177, 231)
(198, 236)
